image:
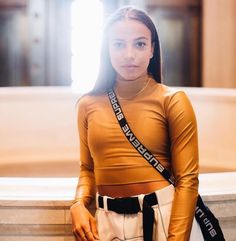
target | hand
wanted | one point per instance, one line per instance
(84, 224)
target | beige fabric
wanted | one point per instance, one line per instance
(114, 227)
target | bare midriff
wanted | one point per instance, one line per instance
(133, 189)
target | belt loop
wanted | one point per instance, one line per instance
(157, 197)
(105, 203)
(140, 200)
(97, 205)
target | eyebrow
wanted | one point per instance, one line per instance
(139, 38)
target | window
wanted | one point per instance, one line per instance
(86, 22)
(179, 30)
(45, 42)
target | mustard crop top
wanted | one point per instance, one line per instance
(164, 121)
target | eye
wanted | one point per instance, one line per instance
(140, 44)
(118, 45)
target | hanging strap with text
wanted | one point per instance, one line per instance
(143, 151)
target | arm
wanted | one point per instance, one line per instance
(83, 222)
(184, 162)
(85, 191)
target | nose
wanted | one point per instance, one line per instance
(130, 52)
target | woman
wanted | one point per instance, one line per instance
(161, 118)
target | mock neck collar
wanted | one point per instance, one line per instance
(129, 88)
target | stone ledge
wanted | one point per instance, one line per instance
(38, 208)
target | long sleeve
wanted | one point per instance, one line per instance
(86, 185)
(184, 160)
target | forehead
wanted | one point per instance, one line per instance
(128, 28)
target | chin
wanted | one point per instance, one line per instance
(130, 77)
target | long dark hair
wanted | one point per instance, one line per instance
(106, 76)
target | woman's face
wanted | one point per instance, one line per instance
(130, 48)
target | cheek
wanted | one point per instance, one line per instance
(115, 58)
(144, 59)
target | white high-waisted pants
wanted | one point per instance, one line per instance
(117, 227)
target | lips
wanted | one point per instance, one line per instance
(129, 66)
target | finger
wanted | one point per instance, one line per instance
(89, 236)
(77, 238)
(84, 238)
(94, 228)
(79, 234)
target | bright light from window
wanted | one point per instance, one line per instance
(86, 22)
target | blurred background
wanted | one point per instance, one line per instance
(49, 57)
(43, 42)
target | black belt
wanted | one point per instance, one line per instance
(130, 205)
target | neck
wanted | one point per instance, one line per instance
(129, 88)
